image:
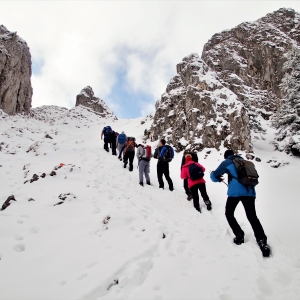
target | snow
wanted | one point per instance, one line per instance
(118, 240)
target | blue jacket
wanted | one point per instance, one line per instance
(235, 189)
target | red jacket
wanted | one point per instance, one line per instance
(186, 174)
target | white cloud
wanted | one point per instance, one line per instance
(80, 43)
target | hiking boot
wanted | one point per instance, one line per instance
(189, 197)
(125, 165)
(120, 159)
(130, 168)
(171, 189)
(239, 239)
(161, 187)
(264, 247)
(208, 204)
(148, 182)
(141, 183)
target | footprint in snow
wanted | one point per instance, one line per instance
(34, 229)
(19, 248)
(18, 237)
(91, 265)
(81, 276)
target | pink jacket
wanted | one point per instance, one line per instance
(186, 174)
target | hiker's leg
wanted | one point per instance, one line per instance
(249, 205)
(114, 148)
(131, 158)
(202, 189)
(141, 170)
(160, 175)
(194, 191)
(125, 158)
(106, 144)
(146, 170)
(186, 188)
(120, 146)
(167, 175)
(231, 205)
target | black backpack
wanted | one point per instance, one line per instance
(247, 174)
(196, 172)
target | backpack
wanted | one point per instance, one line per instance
(107, 130)
(196, 172)
(247, 174)
(147, 153)
(167, 153)
(121, 138)
(130, 145)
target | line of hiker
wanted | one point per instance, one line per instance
(242, 179)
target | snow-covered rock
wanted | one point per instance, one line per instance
(199, 111)
(87, 98)
(249, 60)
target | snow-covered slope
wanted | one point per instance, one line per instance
(113, 239)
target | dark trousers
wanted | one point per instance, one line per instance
(114, 147)
(106, 141)
(249, 206)
(186, 187)
(163, 169)
(194, 190)
(129, 155)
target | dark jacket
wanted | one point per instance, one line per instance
(235, 189)
(157, 155)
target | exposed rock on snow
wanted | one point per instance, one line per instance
(7, 202)
(87, 98)
(15, 73)
(198, 111)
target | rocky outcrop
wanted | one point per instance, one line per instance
(15, 73)
(249, 60)
(224, 97)
(87, 98)
(197, 111)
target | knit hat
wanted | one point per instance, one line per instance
(228, 153)
(188, 158)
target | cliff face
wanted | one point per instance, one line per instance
(198, 110)
(15, 73)
(87, 98)
(249, 60)
(222, 97)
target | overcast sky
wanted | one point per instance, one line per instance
(126, 51)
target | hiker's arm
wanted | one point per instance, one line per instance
(183, 174)
(156, 153)
(101, 135)
(216, 176)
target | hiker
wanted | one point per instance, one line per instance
(113, 142)
(239, 192)
(185, 181)
(194, 172)
(164, 153)
(106, 133)
(144, 155)
(129, 150)
(121, 139)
